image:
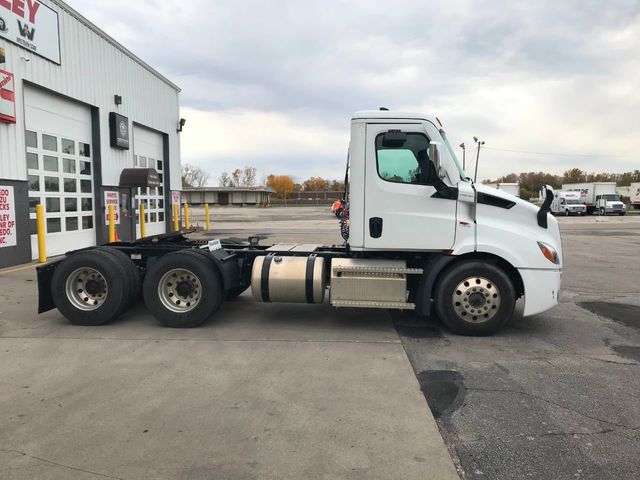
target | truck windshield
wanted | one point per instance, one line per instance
(611, 197)
(463, 176)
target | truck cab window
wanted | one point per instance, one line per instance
(408, 163)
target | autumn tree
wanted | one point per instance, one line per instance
(316, 184)
(282, 184)
(574, 175)
(194, 176)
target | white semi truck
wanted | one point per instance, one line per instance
(599, 197)
(418, 235)
(568, 203)
(634, 195)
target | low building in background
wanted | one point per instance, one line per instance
(237, 196)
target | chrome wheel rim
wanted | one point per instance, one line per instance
(86, 289)
(180, 290)
(476, 300)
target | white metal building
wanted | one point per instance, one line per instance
(62, 82)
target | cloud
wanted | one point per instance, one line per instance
(538, 76)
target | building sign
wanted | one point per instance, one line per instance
(7, 97)
(119, 130)
(32, 25)
(8, 237)
(175, 198)
(112, 198)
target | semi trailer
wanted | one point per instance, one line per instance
(634, 195)
(418, 235)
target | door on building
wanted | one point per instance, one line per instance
(127, 216)
(60, 170)
(148, 152)
(223, 198)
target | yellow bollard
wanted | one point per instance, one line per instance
(186, 215)
(143, 225)
(206, 216)
(42, 237)
(112, 223)
(176, 218)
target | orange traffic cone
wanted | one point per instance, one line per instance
(117, 238)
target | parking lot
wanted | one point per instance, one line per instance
(290, 391)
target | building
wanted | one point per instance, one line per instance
(239, 196)
(76, 109)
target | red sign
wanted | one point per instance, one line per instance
(7, 97)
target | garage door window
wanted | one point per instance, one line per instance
(152, 198)
(60, 178)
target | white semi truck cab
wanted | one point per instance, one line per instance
(418, 235)
(610, 203)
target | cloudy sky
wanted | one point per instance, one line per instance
(273, 83)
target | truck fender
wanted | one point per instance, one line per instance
(227, 267)
(432, 269)
(45, 295)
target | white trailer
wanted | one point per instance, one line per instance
(511, 188)
(634, 195)
(418, 235)
(568, 203)
(589, 193)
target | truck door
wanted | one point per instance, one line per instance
(403, 209)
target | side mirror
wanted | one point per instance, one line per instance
(435, 157)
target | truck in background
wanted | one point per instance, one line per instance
(568, 203)
(634, 195)
(598, 197)
(511, 188)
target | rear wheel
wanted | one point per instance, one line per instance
(90, 288)
(475, 298)
(183, 289)
(134, 287)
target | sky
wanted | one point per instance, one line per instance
(273, 84)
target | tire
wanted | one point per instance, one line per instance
(197, 275)
(566, 213)
(133, 274)
(459, 316)
(103, 275)
(603, 212)
(622, 214)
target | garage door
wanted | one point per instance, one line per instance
(60, 170)
(148, 152)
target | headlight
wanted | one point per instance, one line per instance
(549, 252)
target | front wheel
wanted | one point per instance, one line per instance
(603, 212)
(475, 298)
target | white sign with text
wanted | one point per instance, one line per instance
(112, 198)
(8, 237)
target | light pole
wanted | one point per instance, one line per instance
(464, 156)
(479, 143)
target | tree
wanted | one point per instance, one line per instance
(575, 175)
(236, 177)
(316, 184)
(282, 184)
(194, 176)
(224, 180)
(249, 177)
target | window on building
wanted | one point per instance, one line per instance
(31, 139)
(68, 146)
(32, 161)
(50, 143)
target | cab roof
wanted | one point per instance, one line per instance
(385, 114)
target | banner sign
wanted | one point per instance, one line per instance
(112, 198)
(175, 198)
(7, 97)
(8, 237)
(32, 25)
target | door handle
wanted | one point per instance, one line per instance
(375, 227)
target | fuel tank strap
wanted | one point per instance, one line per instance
(311, 263)
(264, 281)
